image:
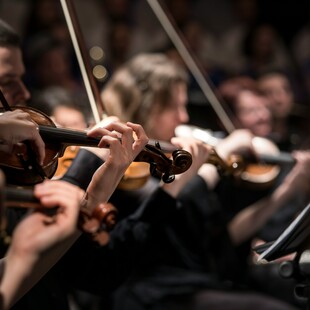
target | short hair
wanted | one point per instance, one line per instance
(8, 36)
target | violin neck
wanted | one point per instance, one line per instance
(282, 158)
(21, 198)
(67, 137)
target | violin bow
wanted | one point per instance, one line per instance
(192, 63)
(83, 60)
(95, 99)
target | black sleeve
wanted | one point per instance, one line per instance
(82, 168)
(101, 269)
(206, 217)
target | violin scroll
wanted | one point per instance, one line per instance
(182, 161)
(98, 222)
(163, 167)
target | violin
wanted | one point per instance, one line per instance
(96, 223)
(20, 168)
(65, 161)
(260, 170)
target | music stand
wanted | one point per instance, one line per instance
(295, 238)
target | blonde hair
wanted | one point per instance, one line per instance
(142, 86)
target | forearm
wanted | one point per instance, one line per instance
(22, 270)
(251, 219)
(103, 183)
(125, 248)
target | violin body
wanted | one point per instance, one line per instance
(19, 167)
(135, 176)
(65, 161)
(22, 169)
(259, 172)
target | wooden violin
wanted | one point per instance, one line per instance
(260, 170)
(20, 170)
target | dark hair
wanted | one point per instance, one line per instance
(8, 36)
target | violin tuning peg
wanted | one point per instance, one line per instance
(154, 171)
(101, 237)
(168, 178)
(157, 145)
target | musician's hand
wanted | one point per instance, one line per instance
(40, 240)
(297, 182)
(255, 256)
(38, 231)
(17, 126)
(238, 142)
(125, 142)
(200, 153)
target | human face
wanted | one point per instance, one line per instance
(253, 113)
(164, 122)
(11, 72)
(69, 118)
(277, 89)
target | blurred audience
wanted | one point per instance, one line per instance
(264, 49)
(62, 106)
(246, 14)
(49, 63)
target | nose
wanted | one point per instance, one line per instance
(263, 113)
(183, 115)
(25, 94)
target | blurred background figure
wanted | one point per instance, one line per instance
(67, 112)
(264, 49)
(290, 120)
(248, 105)
(49, 63)
(299, 47)
(62, 106)
(246, 13)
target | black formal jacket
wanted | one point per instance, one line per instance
(87, 266)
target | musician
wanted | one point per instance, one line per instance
(38, 242)
(34, 241)
(175, 265)
(127, 237)
(12, 67)
(290, 120)
(48, 293)
(40, 297)
(252, 108)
